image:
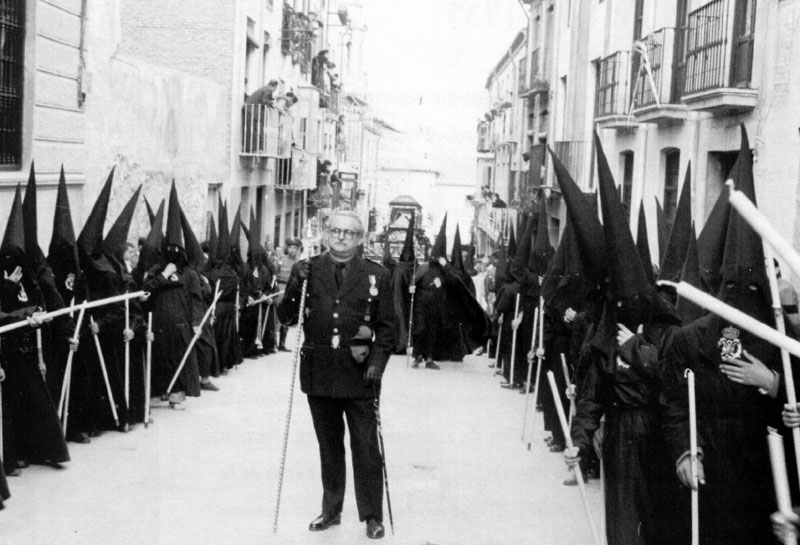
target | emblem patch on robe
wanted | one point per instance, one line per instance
(729, 345)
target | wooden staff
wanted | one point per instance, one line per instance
(105, 375)
(531, 357)
(66, 384)
(127, 355)
(295, 360)
(412, 289)
(148, 370)
(67, 310)
(236, 309)
(578, 473)
(259, 344)
(513, 345)
(499, 337)
(569, 384)
(780, 478)
(192, 343)
(780, 325)
(693, 458)
(2, 378)
(39, 354)
(539, 364)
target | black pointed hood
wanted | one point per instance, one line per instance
(440, 245)
(90, 241)
(151, 251)
(387, 259)
(711, 243)
(236, 237)
(194, 253)
(223, 251)
(150, 214)
(663, 230)
(174, 234)
(33, 253)
(690, 273)
(519, 263)
(469, 262)
(117, 237)
(743, 263)
(456, 259)
(512, 243)
(643, 246)
(542, 251)
(501, 269)
(585, 223)
(678, 242)
(212, 237)
(63, 251)
(14, 236)
(407, 254)
(628, 278)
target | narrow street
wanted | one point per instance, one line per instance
(458, 472)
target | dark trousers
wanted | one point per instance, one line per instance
(327, 412)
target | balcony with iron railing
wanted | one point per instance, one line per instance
(613, 94)
(719, 58)
(266, 132)
(493, 221)
(297, 172)
(539, 82)
(655, 99)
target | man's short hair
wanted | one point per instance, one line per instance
(348, 214)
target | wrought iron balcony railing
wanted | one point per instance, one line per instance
(659, 46)
(266, 132)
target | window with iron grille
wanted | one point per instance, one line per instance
(12, 42)
(672, 159)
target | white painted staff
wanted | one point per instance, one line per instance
(693, 457)
(148, 369)
(581, 485)
(735, 316)
(39, 354)
(780, 478)
(540, 357)
(105, 374)
(127, 355)
(499, 337)
(265, 298)
(2, 378)
(193, 341)
(514, 327)
(66, 384)
(780, 325)
(67, 310)
(531, 356)
(236, 309)
(570, 387)
(259, 344)
(764, 228)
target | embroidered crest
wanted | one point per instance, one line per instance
(69, 283)
(373, 288)
(729, 344)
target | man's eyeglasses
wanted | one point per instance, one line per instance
(342, 233)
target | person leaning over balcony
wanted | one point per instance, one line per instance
(497, 202)
(263, 95)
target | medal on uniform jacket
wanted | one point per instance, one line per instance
(335, 341)
(729, 344)
(373, 288)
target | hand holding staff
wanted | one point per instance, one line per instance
(578, 474)
(514, 328)
(127, 353)
(693, 458)
(66, 384)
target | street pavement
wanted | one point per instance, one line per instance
(459, 472)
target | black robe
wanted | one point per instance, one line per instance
(173, 322)
(229, 347)
(732, 420)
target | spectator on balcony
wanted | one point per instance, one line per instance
(283, 103)
(263, 95)
(318, 65)
(497, 202)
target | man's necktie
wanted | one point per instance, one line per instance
(338, 274)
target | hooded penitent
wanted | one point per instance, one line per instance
(212, 237)
(711, 244)
(151, 251)
(585, 223)
(635, 299)
(236, 245)
(401, 279)
(223, 251)
(663, 231)
(63, 251)
(90, 240)
(440, 244)
(117, 237)
(387, 259)
(174, 249)
(457, 262)
(12, 250)
(690, 273)
(643, 245)
(512, 243)
(674, 255)
(469, 262)
(518, 267)
(194, 253)
(542, 250)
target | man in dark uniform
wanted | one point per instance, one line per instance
(349, 335)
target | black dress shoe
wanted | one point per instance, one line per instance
(323, 522)
(374, 528)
